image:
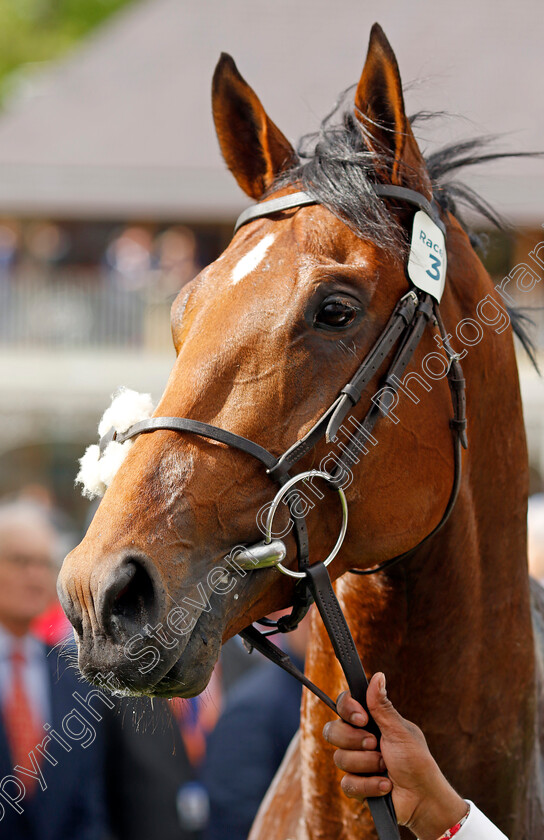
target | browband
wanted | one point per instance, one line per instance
(302, 199)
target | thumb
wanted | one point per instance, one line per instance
(381, 708)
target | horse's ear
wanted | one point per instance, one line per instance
(253, 147)
(379, 106)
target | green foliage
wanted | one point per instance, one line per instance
(35, 31)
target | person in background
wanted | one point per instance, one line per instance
(424, 800)
(152, 788)
(176, 258)
(129, 259)
(52, 626)
(245, 749)
(234, 663)
(56, 792)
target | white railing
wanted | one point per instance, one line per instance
(81, 313)
(90, 311)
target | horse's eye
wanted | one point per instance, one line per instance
(335, 314)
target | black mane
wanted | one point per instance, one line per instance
(336, 168)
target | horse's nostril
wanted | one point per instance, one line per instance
(136, 598)
(128, 600)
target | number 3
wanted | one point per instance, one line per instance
(434, 272)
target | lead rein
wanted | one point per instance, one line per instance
(320, 586)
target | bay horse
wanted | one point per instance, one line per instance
(265, 337)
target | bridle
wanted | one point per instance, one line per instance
(404, 328)
(403, 331)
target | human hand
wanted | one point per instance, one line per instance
(423, 798)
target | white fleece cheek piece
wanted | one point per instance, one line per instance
(96, 473)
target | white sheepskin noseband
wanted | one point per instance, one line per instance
(96, 473)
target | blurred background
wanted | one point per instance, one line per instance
(113, 193)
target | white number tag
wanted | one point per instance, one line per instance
(428, 260)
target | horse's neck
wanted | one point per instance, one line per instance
(451, 628)
(452, 632)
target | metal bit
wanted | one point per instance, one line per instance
(261, 555)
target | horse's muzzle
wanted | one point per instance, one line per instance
(115, 604)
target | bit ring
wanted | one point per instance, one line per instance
(278, 498)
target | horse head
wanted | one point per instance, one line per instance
(265, 337)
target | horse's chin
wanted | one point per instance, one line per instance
(182, 672)
(192, 672)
